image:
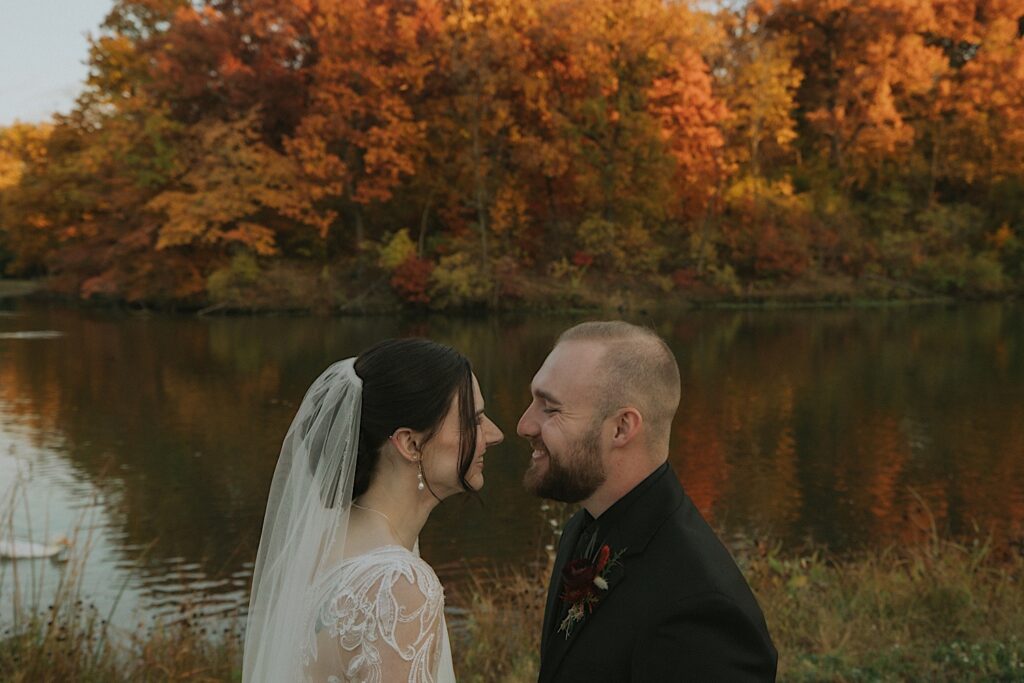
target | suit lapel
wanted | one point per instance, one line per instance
(630, 535)
(570, 534)
(615, 578)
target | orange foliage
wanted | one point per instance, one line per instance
(235, 185)
(359, 136)
(864, 62)
(772, 141)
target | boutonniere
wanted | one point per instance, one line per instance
(584, 580)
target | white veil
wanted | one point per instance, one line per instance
(305, 526)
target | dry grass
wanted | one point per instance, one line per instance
(500, 639)
(942, 611)
(939, 611)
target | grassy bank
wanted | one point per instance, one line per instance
(941, 611)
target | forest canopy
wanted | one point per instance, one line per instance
(462, 153)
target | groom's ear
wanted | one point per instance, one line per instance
(406, 442)
(628, 423)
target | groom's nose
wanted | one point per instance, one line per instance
(527, 426)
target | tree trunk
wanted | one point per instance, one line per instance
(478, 177)
(424, 219)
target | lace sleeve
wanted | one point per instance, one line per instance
(386, 624)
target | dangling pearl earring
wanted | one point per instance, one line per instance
(420, 483)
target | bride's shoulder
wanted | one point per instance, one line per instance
(392, 567)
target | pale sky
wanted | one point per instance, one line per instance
(42, 55)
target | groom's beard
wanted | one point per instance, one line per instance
(571, 478)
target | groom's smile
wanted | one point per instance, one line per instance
(563, 426)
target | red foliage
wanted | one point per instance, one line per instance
(685, 278)
(411, 278)
(582, 259)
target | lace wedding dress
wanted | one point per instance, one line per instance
(382, 611)
(314, 614)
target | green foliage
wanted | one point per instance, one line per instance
(234, 282)
(891, 205)
(617, 248)
(938, 256)
(951, 224)
(247, 283)
(993, 660)
(723, 278)
(459, 281)
(960, 272)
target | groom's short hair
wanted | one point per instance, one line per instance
(637, 368)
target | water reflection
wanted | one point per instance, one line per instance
(856, 427)
(847, 427)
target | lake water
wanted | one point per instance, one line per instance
(156, 435)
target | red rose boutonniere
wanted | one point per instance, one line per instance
(583, 581)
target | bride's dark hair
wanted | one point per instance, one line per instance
(410, 383)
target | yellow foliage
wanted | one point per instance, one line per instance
(10, 169)
(760, 93)
(399, 249)
(20, 145)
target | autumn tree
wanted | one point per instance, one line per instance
(23, 152)
(104, 161)
(863, 63)
(482, 118)
(758, 81)
(220, 59)
(236, 191)
(359, 137)
(640, 121)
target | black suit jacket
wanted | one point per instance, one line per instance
(677, 608)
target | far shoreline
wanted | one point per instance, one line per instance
(566, 301)
(10, 289)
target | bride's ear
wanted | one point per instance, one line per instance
(406, 443)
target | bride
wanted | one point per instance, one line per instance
(339, 590)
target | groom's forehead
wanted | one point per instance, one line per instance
(570, 367)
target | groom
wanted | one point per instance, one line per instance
(642, 589)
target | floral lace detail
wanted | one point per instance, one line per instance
(381, 612)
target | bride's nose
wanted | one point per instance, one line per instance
(493, 434)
